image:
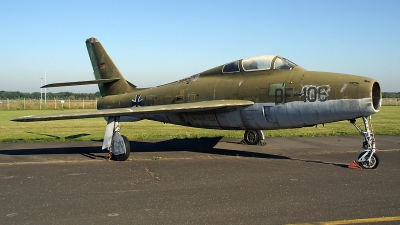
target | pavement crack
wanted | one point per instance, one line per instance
(152, 174)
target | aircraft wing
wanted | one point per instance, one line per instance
(135, 111)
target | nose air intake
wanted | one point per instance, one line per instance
(376, 96)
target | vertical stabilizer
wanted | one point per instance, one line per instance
(104, 68)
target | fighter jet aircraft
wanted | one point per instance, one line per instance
(252, 94)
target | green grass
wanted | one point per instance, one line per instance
(386, 122)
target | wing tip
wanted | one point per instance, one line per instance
(22, 119)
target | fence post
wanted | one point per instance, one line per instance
(55, 103)
(8, 104)
(83, 103)
(69, 103)
(24, 103)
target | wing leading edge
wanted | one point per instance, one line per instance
(135, 111)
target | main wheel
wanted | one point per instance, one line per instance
(125, 156)
(367, 165)
(252, 137)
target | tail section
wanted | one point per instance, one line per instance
(104, 68)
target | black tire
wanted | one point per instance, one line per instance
(125, 156)
(374, 162)
(252, 137)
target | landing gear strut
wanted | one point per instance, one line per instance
(367, 159)
(117, 145)
(253, 137)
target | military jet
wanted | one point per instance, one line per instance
(252, 94)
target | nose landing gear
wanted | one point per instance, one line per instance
(367, 159)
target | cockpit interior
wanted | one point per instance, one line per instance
(265, 62)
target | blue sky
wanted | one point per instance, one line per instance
(156, 42)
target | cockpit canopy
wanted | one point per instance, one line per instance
(265, 62)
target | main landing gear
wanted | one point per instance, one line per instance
(117, 145)
(367, 159)
(253, 137)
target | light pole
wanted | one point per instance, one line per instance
(45, 98)
(41, 90)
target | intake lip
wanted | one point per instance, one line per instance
(376, 96)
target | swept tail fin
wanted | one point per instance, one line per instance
(104, 68)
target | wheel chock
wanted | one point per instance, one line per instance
(355, 165)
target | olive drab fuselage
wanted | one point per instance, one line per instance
(284, 98)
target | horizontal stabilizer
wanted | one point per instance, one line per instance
(99, 81)
(137, 111)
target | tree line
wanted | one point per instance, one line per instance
(390, 94)
(50, 95)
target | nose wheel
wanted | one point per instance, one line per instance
(368, 162)
(367, 159)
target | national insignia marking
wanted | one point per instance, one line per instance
(137, 102)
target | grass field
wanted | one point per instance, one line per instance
(385, 122)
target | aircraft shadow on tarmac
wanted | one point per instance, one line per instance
(50, 151)
(202, 145)
(199, 145)
(206, 145)
(71, 137)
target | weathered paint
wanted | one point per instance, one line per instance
(268, 116)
